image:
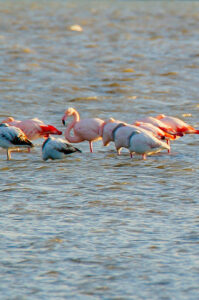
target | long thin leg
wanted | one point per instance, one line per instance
(168, 143)
(144, 156)
(91, 146)
(8, 154)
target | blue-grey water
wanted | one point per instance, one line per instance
(100, 226)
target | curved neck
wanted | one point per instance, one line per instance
(76, 116)
(101, 129)
(113, 129)
(75, 138)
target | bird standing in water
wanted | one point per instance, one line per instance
(84, 129)
(177, 125)
(33, 128)
(12, 137)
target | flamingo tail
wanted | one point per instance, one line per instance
(196, 131)
(49, 129)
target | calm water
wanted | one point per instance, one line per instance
(99, 226)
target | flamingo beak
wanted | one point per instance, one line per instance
(63, 120)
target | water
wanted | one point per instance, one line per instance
(99, 226)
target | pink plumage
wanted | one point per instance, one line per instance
(156, 131)
(84, 129)
(177, 125)
(158, 123)
(33, 128)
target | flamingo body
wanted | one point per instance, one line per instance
(156, 131)
(112, 131)
(158, 123)
(84, 129)
(33, 128)
(121, 137)
(142, 143)
(106, 130)
(13, 137)
(177, 125)
(57, 149)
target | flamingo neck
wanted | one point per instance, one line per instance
(101, 129)
(76, 116)
(75, 138)
(115, 129)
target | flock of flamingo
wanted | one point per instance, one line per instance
(145, 136)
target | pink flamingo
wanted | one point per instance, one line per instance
(84, 129)
(33, 128)
(107, 130)
(117, 131)
(159, 124)
(156, 131)
(177, 125)
(135, 139)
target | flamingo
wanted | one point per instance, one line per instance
(177, 125)
(159, 124)
(142, 143)
(33, 128)
(156, 131)
(84, 129)
(122, 139)
(57, 148)
(13, 137)
(109, 130)
(138, 140)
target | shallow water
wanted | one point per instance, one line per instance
(99, 226)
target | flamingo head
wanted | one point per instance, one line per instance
(69, 112)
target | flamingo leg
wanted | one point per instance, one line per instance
(144, 156)
(91, 146)
(118, 151)
(8, 154)
(168, 143)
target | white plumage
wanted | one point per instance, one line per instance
(138, 141)
(143, 143)
(13, 137)
(57, 148)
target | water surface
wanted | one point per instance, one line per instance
(99, 226)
